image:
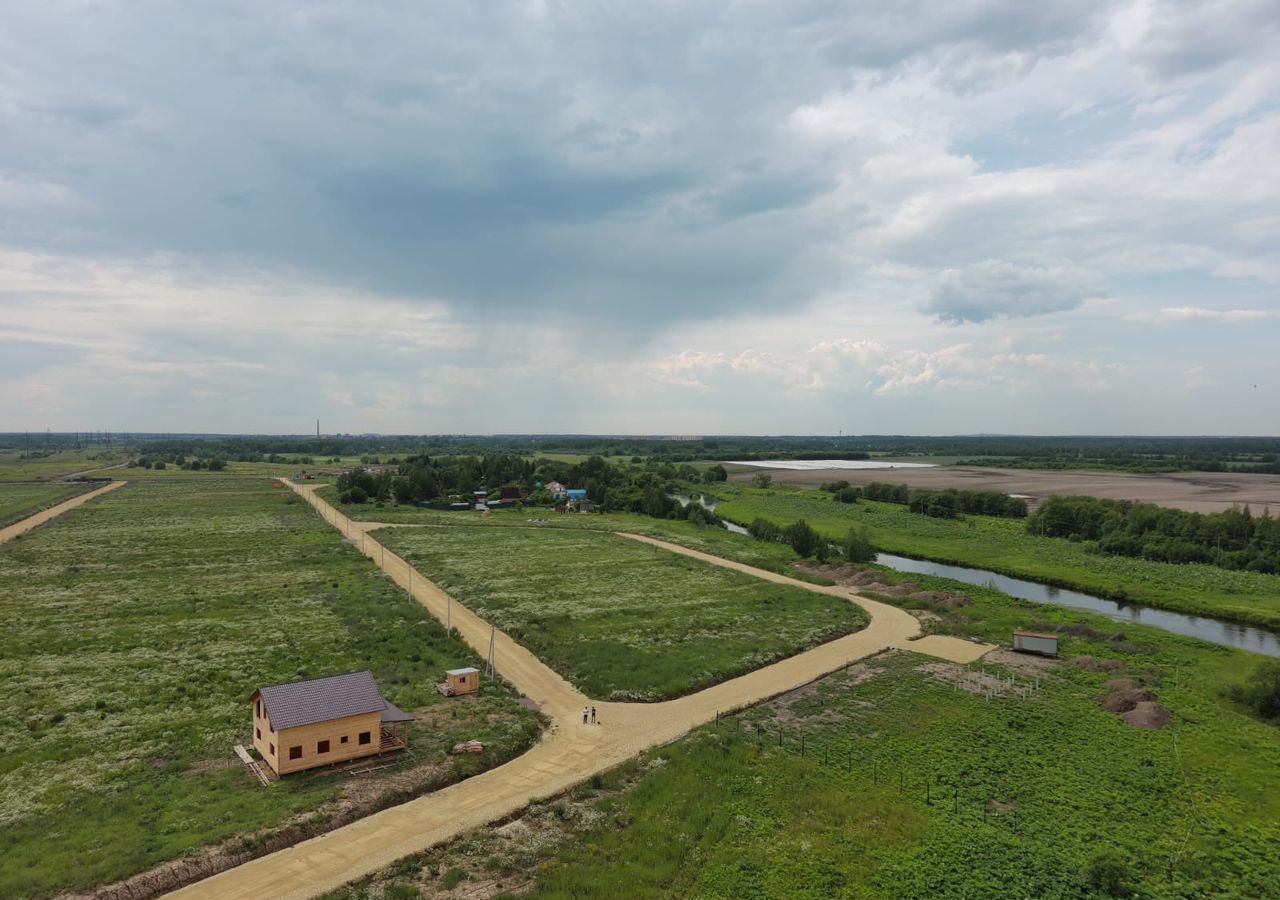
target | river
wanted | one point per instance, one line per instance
(1217, 631)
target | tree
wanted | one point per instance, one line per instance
(802, 538)
(857, 547)
(762, 479)
(715, 473)
(354, 494)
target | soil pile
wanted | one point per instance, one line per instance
(1135, 704)
(864, 579)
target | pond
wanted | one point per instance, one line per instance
(1217, 631)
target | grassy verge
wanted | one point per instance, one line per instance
(135, 630)
(892, 780)
(621, 619)
(1003, 545)
(20, 500)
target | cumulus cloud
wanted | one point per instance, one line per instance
(995, 288)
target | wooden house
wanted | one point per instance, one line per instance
(462, 681)
(322, 721)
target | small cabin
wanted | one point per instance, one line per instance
(322, 721)
(1034, 642)
(462, 681)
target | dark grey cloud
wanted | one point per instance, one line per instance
(496, 155)
(998, 289)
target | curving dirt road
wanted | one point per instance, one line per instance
(12, 531)
(569, 752)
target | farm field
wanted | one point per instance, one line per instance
(1194, 491)
(18, 500)
(619, 619)
(136, 628)
(898, 778)
(1003, 545)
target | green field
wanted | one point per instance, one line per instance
(888, 780)
(1004, 546)
(709, 539)
(620, 619)
(22, 499)
(57, 464)
(135, 629)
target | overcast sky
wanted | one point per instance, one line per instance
(803, 217)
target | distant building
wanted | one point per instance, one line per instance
(321, 721)
(555, 487)
(514, 494)
(576, 494)
(461, 681)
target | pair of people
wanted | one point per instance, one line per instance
(589, 710)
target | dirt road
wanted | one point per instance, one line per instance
(12, 531)
(569, 753)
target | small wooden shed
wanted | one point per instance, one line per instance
(322, 721)
(1035, 642)
(462, 681)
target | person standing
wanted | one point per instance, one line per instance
(593, 715)
(585, 711)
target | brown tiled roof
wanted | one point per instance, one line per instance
(322, 699)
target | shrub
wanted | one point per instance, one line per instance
(802, 538)
(1261, 694)
(1108, 871)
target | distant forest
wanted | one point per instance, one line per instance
(1132, 454)
(1235, 539)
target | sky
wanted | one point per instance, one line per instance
(649, 218)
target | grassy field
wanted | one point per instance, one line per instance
(57, 464)
(621, 619)
(709, 539)
(1003, 545)
(22, 499)
(890, 780)
(136, 628)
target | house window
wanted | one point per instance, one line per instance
(295, 753)
(273, 749)
(322, 746)
(258, 731)
(344, 739)
(259, 709)
(365, 737)
(462, 680)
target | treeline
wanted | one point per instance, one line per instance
(213, 464)
(1234, 539)
(642, 488)
(949, 503)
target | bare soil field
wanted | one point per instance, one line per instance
(1194, 491)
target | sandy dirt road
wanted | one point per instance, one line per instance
(17, 528)
(1194, 491)
(568, 753)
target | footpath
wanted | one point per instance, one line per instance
(12, 531)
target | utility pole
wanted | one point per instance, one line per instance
(493, 634)
(448, 614)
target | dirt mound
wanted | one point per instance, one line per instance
(1147, 714)
(1134, 703)
(940, 598)
(872, 580)
(1091, 664)
(1122, 701)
